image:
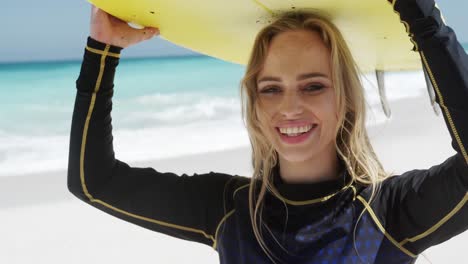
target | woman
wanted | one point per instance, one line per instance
(319, 193)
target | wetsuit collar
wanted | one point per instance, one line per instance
(309, 193)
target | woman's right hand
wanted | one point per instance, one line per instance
(108, 29)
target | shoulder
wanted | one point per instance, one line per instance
(237, 184)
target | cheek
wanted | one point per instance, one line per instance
(265, 123)
(325, 111)
(331, 116)
(264, 110)
(264, 113)
(262, 117)
(331, 112)
(330, 105)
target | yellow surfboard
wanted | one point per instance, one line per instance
(226, 29)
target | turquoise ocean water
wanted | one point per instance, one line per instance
(37, 98)
(154, 99)
(162, 107)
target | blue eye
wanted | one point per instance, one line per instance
(313, 87)
(271, 89)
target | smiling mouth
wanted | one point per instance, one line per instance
(296, 137)
(295, 132)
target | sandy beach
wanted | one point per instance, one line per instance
(43, 223)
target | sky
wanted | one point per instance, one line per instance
(56, 30)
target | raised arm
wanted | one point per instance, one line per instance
(422, 208)
(187, 207)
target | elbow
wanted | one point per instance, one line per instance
(74, 183)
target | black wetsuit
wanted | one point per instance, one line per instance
(412, 212)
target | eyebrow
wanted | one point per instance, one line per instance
(299, 78)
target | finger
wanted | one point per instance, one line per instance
(99, 15)
(132, 36)
(96, 11)
(147, 33)
(142, 34)
(93, 11)
(154, 30)
(116, 20)
(151, 31)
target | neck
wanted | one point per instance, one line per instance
(323, 167)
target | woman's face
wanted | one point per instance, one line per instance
(295, 92)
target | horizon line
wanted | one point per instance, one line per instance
(73, 60)
(138, 57)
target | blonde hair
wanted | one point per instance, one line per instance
(352, 143)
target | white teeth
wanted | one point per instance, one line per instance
(293, 131)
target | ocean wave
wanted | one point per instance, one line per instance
(22, 154)
(175, 109)
(27, 154)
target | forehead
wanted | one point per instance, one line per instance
(296, 52)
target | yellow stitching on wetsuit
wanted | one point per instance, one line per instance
(100, 52)
(444, 107)
(316, 200)
(224, 210)
(263, 6)
(436, 87)
(83, 148)
(382, 229)
(439, 224)
(153, 220)
(354, 192)
(243, 186)
(219, 225)
(224, 193)
(88, 117)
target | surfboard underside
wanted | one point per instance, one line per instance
(227, 29)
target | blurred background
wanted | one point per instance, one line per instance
(172, 106)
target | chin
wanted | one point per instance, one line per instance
(295, 156)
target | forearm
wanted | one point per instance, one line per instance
(445, 61)
(91, 154)
(183, 206)
(424, 207)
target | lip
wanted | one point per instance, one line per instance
(298, 139)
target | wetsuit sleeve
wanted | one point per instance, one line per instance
(426, 207)
(182, 206)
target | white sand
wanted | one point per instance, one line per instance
(42, 223)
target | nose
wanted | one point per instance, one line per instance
(291, 105)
